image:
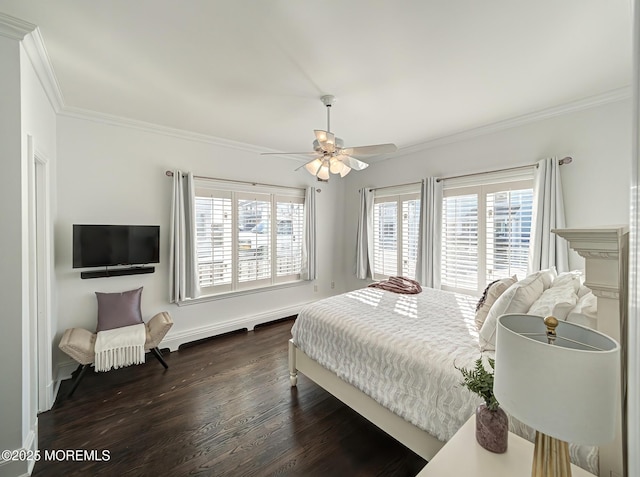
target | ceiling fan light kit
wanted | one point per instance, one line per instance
(332, 156)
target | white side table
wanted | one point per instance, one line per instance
(463, 456)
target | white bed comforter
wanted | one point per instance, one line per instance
(398, 349)
(401, 350)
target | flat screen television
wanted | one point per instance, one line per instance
(111, 245)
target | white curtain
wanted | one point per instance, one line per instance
(309, 262)
(364, 239)
(547, 249)
(183, 265)
(430, 238)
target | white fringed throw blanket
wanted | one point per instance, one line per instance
(120, 347)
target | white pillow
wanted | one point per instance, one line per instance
(574, 278)
(517, 299)
(490, 295)
(585, 312)
(555, 301)
(582, 291)
(548, 276)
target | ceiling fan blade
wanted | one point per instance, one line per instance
(307, 153)
(326, 139)
(353, 163)
(369, 150)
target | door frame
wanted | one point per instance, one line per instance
(40, 273)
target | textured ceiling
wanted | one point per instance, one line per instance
(406, 71)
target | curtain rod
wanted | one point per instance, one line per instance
(394, 186)
(170, 174)
(564, 160)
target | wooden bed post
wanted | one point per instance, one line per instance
(293, 370)
(605, 250)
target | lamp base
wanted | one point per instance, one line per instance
(550, 457)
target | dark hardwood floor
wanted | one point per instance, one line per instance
(223, 408)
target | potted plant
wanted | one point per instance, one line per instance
(492, 423)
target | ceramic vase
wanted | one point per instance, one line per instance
(492, 429)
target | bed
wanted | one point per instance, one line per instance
(391, 358)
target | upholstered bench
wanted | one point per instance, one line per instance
(80, 344)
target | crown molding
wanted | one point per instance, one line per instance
(79, 113)
(14, 28)
(611, 96)
(37, 53)
(29, 35)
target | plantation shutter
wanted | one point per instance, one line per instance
(460, 242)
(508, 230)
(214, 238)
(410, 236)
(247, 239)
(253, 259)
(485, 233)
(289, 236)
(396, 225)
(385, 237)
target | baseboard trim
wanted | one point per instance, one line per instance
(65, 369)
(22, 468)
(50, 396)
(31, 445)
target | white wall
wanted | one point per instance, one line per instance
(116, 175)
(11, 270)
(596, 184)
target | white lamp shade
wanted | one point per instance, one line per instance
(335, 165)
(326, 139)
(313, 166)
(323, 173)
(568, 390)
(345, 170)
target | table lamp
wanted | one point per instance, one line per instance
(562, 380)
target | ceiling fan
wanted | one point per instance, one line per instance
(330, 154)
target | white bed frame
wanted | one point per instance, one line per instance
(604, 250)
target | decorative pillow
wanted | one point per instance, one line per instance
(116, 310)
(585, 312)
(489, 296)
(574, 278)
(518, 298)
(555, 301)
(548, 276)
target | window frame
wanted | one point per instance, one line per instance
(481, 187)
(399, 197)
(238, 192)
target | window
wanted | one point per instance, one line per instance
(485, 234)
(245, 239)
(396, 222)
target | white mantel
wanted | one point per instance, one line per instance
(605, 250)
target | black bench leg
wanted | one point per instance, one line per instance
(81, 370)
(158, 354)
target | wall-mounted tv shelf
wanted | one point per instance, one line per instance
(116, 272)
